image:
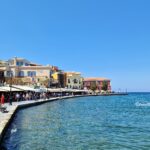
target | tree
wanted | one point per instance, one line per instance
(104, 86)
(46, 83)
(93, 86)
(16, 81)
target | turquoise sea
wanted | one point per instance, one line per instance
(88, 123)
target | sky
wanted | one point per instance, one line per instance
(99, 38)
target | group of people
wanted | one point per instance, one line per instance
(22, 96)
(6, 98)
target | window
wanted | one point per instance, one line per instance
(19, 63)
(34, 73)
(31, 73)
(75, 81)
(68, 80)
(9, 73)
(21, 74)
(26, 64)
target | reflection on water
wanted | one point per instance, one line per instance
(13, 131)
(83, 123)
(144, 104)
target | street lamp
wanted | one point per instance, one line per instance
(10, 86)
(60, 90)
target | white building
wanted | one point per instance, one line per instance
(22, 68)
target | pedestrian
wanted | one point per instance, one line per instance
(2, 99)
(27, 96)
(23, 97)
(10, 99)
(17, 97)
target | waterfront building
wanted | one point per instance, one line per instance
(97, 84)
(74, 80)
(20, 68)
(2, 79)
(58, 79)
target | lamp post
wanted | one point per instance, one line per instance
(60, 90)
(10, 86)
(47, 86)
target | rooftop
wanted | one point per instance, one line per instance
(29, 62)
(96, 79)
(73, 72)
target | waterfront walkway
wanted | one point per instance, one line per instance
(5, 118)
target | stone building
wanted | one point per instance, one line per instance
(74, 80)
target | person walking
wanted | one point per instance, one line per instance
(23, 97)
(17, 97)
(2, 99)
(27, 96)
(10, 99)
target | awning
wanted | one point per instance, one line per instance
(24, 88)
(7, 89)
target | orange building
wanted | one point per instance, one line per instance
(97, 82)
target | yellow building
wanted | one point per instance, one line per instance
(58, 79)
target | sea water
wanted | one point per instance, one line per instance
(87, 123)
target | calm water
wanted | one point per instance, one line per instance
(89, 123)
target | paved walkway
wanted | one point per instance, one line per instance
(5, 118)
